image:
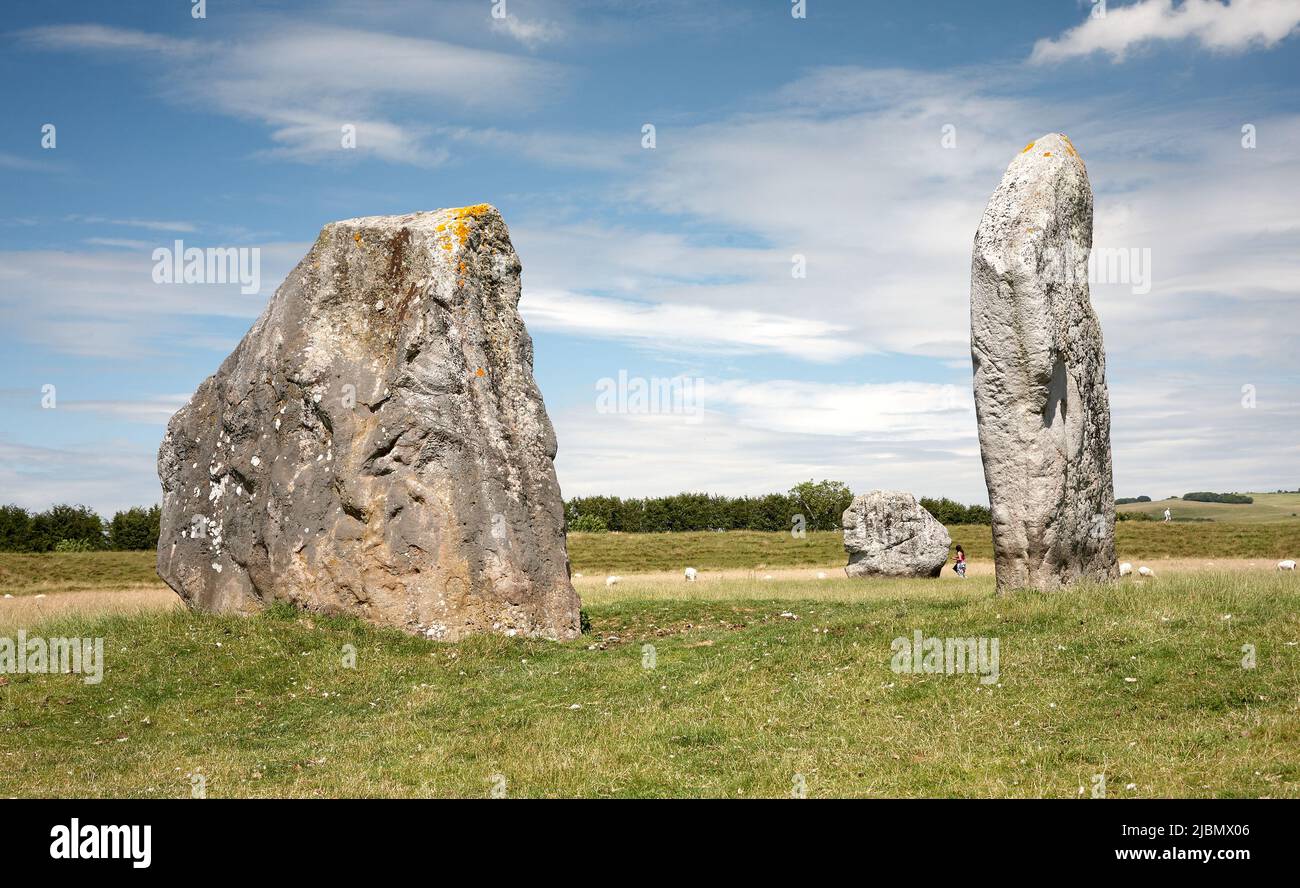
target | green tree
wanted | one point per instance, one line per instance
(15, 529)
(136, 528)
(65, 522)
(821, 503)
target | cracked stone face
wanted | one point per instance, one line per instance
(1040, 375)
(887, 533)
(376, 445)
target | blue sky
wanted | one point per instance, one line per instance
(821, 137)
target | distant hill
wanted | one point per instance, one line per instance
(1266, 509)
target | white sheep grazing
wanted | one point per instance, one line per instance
(1146, 571)
(821, 574)
(1125, 569)
(611, 581)
(690, 575)
(1286, 565)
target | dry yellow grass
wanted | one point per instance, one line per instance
(29, 610)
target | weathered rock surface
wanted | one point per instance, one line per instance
(887, 533)
(376, 444)
(1040, 375)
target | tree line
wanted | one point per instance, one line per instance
(809, 506)
(65, 528)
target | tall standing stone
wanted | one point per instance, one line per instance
(376, 445)
(1040, 375)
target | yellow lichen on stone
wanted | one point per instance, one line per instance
(1027, 147)
(1047, 154)
(460, 228)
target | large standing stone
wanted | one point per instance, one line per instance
(1040, 375)
(376, 444)
(887, 533)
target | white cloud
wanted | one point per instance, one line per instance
(750, 450)
(700, 328)
(153, 410)
(105, 303)
(107, 476)
(14, 162)
(307, 81)
(529, 33)
(105, 38)
(1231, 26)
(147, 224)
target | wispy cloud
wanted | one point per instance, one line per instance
(1229, 26)
(148, 224)
(530, 33)
(673, 326)
(153, 410)
(307, 82)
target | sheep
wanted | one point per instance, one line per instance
(1125, 569)
(611, 581)
(821, 574)
(1146, 571)
(690, 575)
(1286, 565)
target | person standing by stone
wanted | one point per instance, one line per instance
(1040, 375)
(959, 562)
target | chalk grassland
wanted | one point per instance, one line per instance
(1267, 508)
(1142, 682)
(619, 553)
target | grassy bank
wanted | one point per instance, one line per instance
(1143, 683)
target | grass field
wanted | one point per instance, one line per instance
(1141, 682)
(1267, 508)
(756, 684)
(1135, 540)
(606, 553)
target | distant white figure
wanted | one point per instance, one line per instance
(767, 576)
(821, 574)
(1286, 565)
(690, 575)
(1125, 569)
(1169, 516)
(577, 576)
(611, 581)
(1146, 571)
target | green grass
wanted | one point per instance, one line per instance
(597, 553)
(594, 553)
(1267, 508)
(740, 701)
